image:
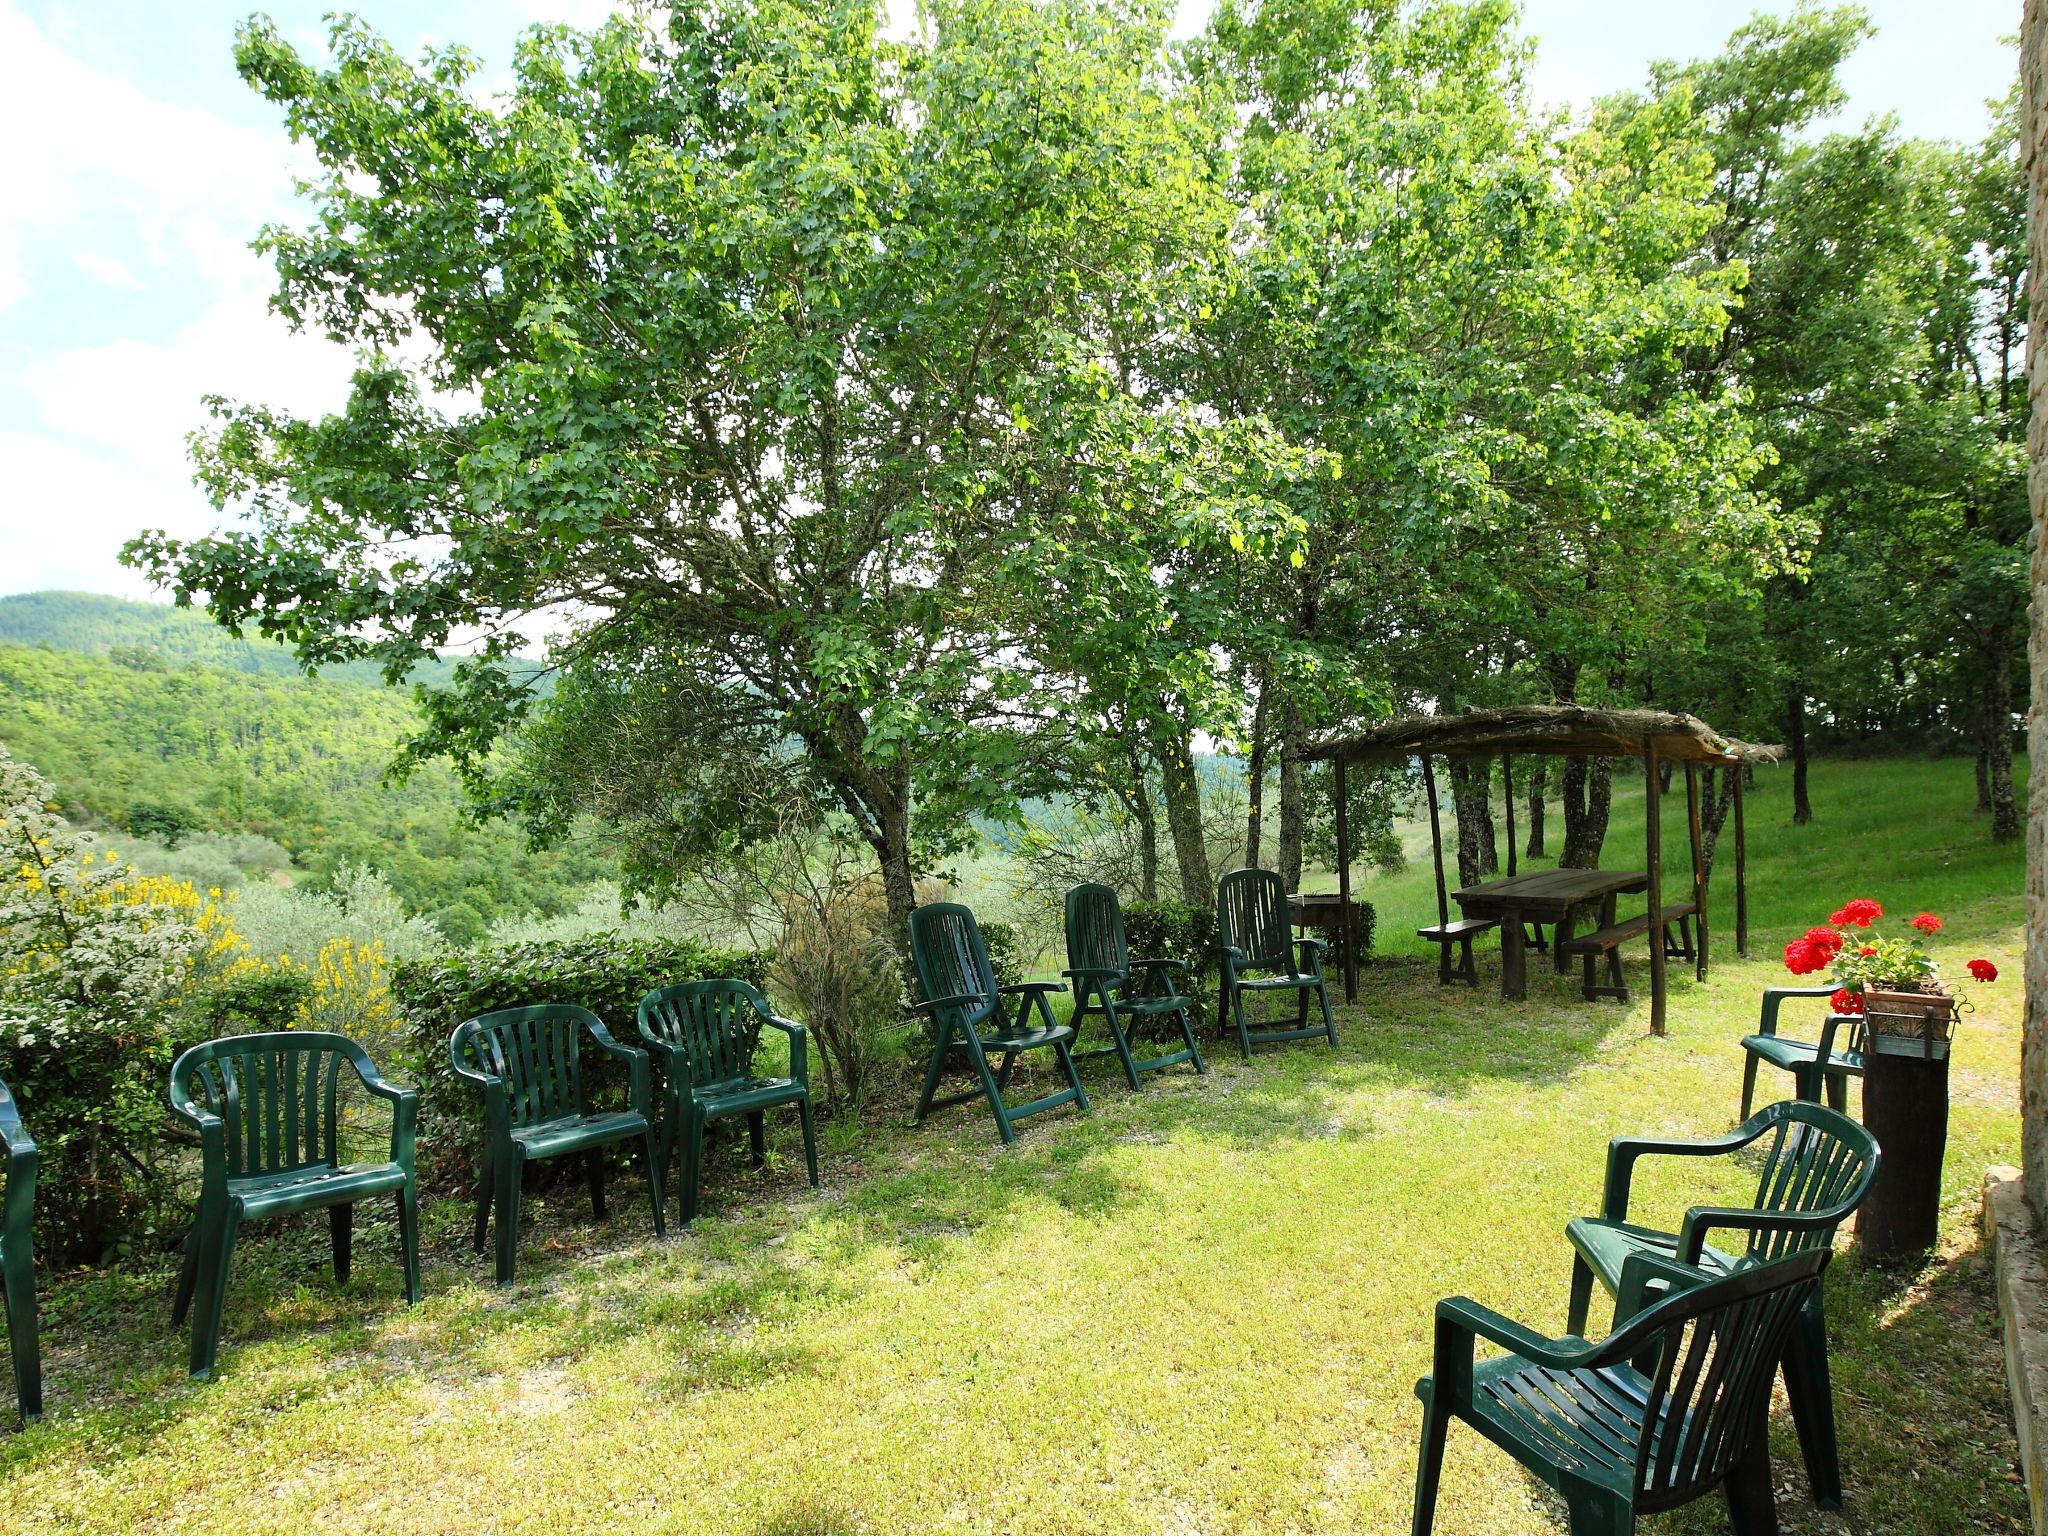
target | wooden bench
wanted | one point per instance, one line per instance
(1606, 941)
(1682, 914)
(1460, 933)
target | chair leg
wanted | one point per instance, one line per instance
(693, 1163)
(1235, 1002)
(23, 1342)
(341, 1231)
(1581, 1298)
(1066, 1055)
(1123, 1044)
(1596, 1512)
(1429, 1467)
(409, 1239)
(1749, 1061)
(216, 1251)
(1838, 1091)
(656, 1196)
(1813, 1404)
(188, 1276)
(803, 1111)
(1752, 1507)
(1323, 996)
(994, 1091)
(593, 1174)
(931, 1083)
(757, 1138)
(509, 1164)
(1187, 1034)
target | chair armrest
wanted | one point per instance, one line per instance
(638, 1093)
(405, 1105)
(1767, 1020)
(1040, 987)
(1463, 1315)
(1645, 1280)
(18, 1215)
(1307, 942)
(1703, 1219)
(958, 999)
(1232, 953)
(799, 1046)
(1623, 1151)
(1826, 1046)
(14, 1135)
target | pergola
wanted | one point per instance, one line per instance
(1555, 730)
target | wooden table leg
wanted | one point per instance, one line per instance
(1514, 980)
(1559, 937)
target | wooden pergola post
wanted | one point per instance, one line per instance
(1741, 870)
(1653, 858)
(1344, 925)
(1507, 780)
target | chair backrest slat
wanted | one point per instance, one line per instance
(1251, 914)
(276, 1095)
(715, 1024)
(1815, 1159)
(537, 1051)
(1717, 1349)
(1095, 930)
(951, 960)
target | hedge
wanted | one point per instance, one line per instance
(601, 972)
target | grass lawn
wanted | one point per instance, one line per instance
(1200, 1311)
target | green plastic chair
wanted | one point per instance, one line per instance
(268, 1113)
(18, 1259)
(961, 996)
(705, 1034)
(1816, 1169)
(528, 1063)
(1108, 982)
(1251, 920)
(1810, 1062)
(1663, 1411)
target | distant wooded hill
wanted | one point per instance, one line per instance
(152, 720)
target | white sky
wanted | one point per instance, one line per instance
(138, 167)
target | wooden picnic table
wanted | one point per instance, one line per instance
(1547, 896)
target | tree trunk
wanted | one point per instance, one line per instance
(1795, 739)
(891, 843)
(1138, 800)
(2005, 811)
(1184, 817)
(1714, 815)
(1255, 787)
(1539, 771)
(1293, 742)
(1983, 772)
(1478, 853)
(1588, 791)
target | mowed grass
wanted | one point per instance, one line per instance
(1199, 1311)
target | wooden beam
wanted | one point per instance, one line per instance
(1344, 926)
(1436, 842)
(1699, 871)
(1741, 869)
(1653, 858)
(1507, 781)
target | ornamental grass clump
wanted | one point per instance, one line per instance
(1858, 958)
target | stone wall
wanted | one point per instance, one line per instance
(2034, 1041)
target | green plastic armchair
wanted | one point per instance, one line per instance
(268, 1112)
(528, 1064)
(18, 1259)
(1669, 1407)
(705, 1034)
(1816, 1168)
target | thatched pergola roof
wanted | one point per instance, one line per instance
(1566, 730)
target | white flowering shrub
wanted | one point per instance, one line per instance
(95, 961)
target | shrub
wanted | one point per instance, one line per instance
(255, 1000)
(837, 970)
(604, 974)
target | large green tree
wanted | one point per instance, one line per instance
(773, 359)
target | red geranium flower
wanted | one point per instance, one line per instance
(1983, 970)
(1927, 922)
(1845, 1001)
(1859, 913)
(1803, 957)
(1824, 938)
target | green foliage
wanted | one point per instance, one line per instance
(1177, 930)
(299, 761)
(606, 975)
(1005, 952)
(252, 1002)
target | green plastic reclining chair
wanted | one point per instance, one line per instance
(528, 1062)
(961, 996)
(705, 1034)
(1109, 983)
(1669, 1407)
(18, 1259)
(268, 1112)
(1816, 1168)
(1251, 922)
